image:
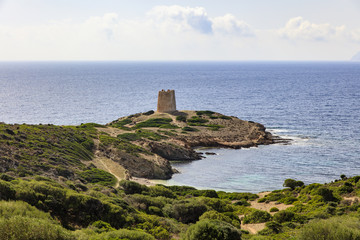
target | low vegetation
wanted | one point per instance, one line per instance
(93, 209)
(49, 189)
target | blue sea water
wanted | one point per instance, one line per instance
(314, 103)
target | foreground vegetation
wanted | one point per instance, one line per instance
(42, 208)
(49, 189)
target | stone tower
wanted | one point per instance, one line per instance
(166, 101)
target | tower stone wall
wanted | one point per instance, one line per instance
(166, 101)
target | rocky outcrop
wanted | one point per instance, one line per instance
(173, 152)
(173, 136)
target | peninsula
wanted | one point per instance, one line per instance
(71, 182)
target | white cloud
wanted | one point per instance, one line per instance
(355, 35)
(228, 24)
(173, 33)
(299, 29)
(182, 18)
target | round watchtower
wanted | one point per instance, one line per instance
(166, 101)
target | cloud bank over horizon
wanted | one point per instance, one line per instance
(176, 33)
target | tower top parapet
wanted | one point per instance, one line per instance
(166, 101)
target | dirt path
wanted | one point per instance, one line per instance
(256, 227)
(112, 167)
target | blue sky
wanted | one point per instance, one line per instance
(179, 30)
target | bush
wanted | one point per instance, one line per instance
(190, 129)
(288, 200)
(291, 183)
(242, 202)
(206, 112)
(284, 216)
(101, 226)
(274, 209)
(149, 112)
(212, 229)
(214, 215)
(181, 118)
(197, 121)
(336, 228)
(257, 216)
(131, 187)
(6, 191)
(156, 122)
(19, 208)
(27, 228)
(327, 194)
(156, 191)
(185, 211)
(98, 176)
(124, 234)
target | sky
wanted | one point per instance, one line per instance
(179, 30)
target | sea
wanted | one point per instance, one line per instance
(315, 104)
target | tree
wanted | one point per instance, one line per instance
(212, 229)
(291, 183)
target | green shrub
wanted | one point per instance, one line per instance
(242, 202)
(288, 200)
(6, 191)
(206, 112)
(257, 216)
(181, 118)
(197, 121)
(271, 228)
(155, 122)
(148, 113)
(185, 211)
(214, 215)
(19, 208)
(284, 216)
(336, 228)
(98, 176)
(27, 228)
(225, 117)
(124, 234)
(141, 133)
(212, 229)
(326, 194)
(121, 123)
(190, 129)
(237, 196)
(131, 187)
(291, 183)
(156, 191)
(274, 209)
(101, 226)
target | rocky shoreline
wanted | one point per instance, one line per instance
(173, 137)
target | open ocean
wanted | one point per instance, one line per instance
(317, 104)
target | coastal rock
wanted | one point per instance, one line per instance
(173, 137)
(173, 152)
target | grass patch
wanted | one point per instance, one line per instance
(122, 145)
(207, 112)
(181, 118)
(121, 124)
(98, 176)
(190, 129)
(197, 121)
(141, 133)
(156, 122)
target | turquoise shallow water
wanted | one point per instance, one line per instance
(314, 103)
